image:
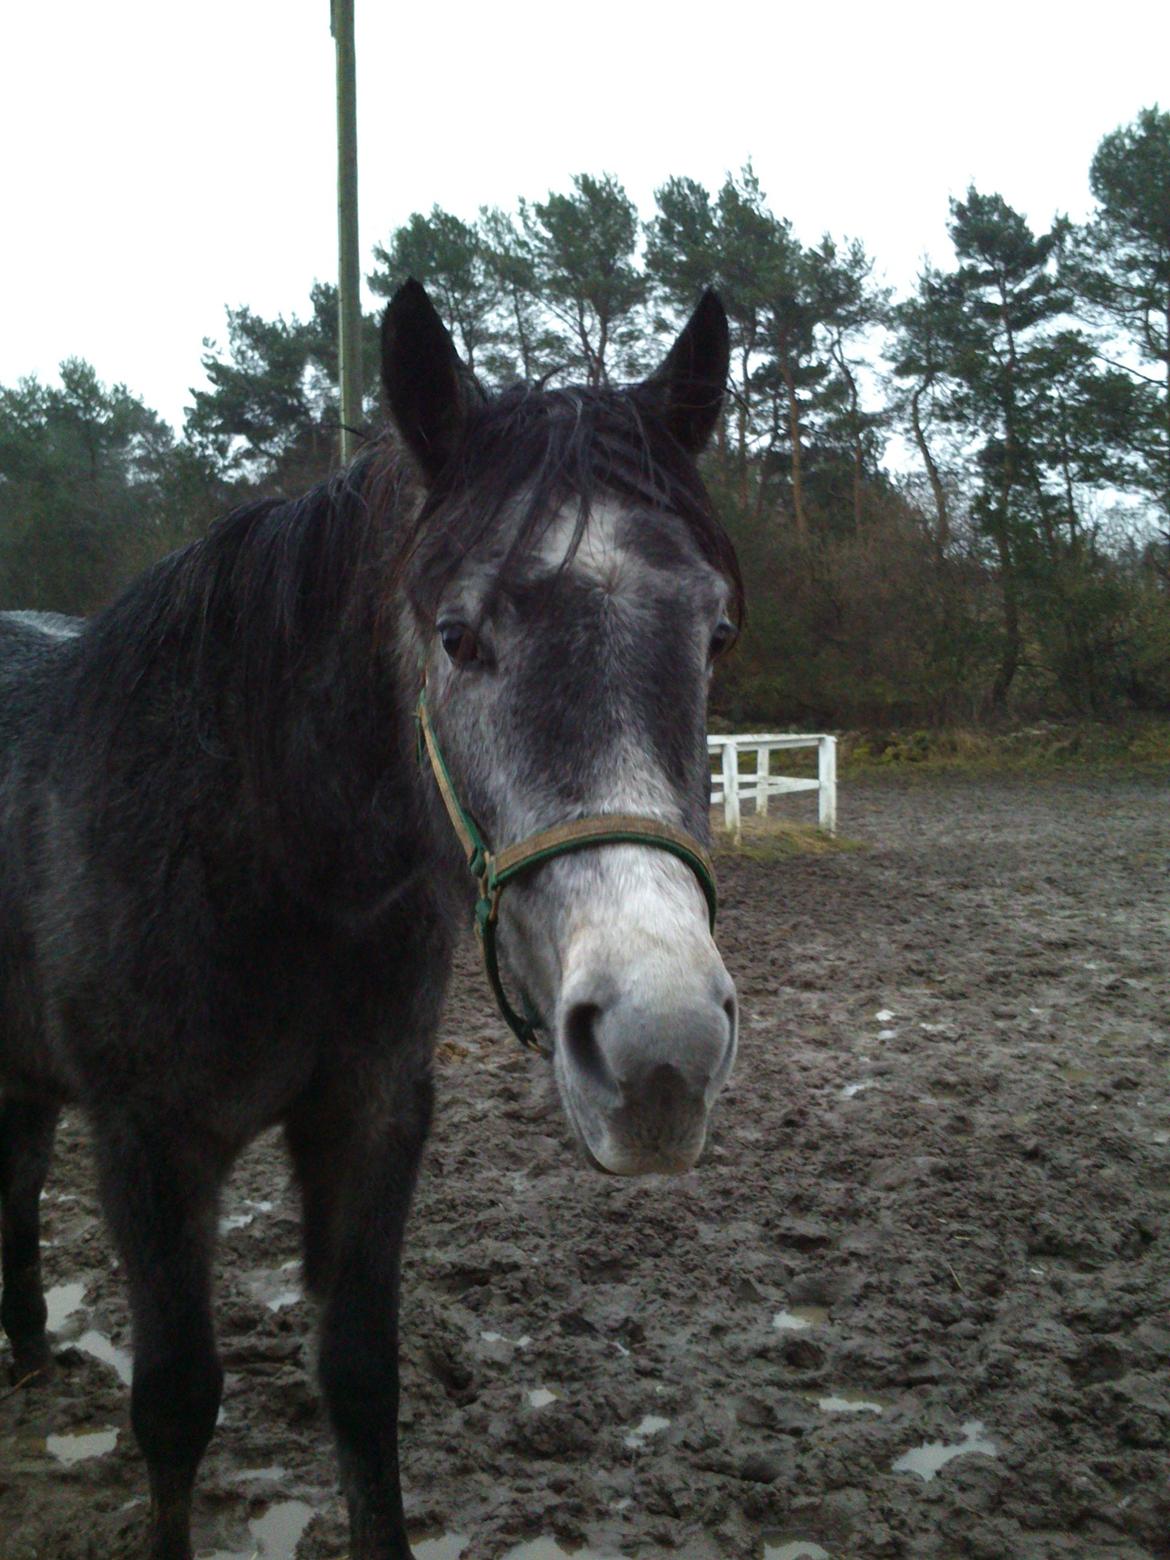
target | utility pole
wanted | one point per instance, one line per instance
(349, 309)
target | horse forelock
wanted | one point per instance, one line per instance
(528, 460)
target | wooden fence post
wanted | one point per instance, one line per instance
(827, 776)
(763, 768)
(731, 789)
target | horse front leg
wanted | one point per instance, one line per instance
(356, 1157)
(26, 1146)
(159, 1186)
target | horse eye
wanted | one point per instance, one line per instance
(459, 642)
(723, 638)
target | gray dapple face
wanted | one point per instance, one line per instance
(586, 694)
(571, 683)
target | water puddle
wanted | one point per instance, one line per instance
(240, 1221)
(444, 1546)
(62, 1300)
(252, 1475)
(278, 1531)
(276, 1290)
(800, 1318)
(652, 1424)
(80, 1444)
(549, 1549)
(845, 1403)
(101, 1348)
(926, 1460)
(275, 1534)
(794, 1549)
(284, 1298)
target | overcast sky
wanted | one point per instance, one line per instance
(162, 161)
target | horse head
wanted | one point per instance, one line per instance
(569, 590)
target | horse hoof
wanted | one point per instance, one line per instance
(32, 1365)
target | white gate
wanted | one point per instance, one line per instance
(730, 786)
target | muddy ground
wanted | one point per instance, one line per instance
(933, 1211)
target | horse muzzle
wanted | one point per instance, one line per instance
(640, 1059)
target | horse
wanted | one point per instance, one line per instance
(237, 811)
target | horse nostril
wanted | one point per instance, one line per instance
(581, 1046)
(727, 1060)
(666, 1088)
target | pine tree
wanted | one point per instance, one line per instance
(451, 260)
(92, 488)
(1122, 274)
(581, 250)
(926, 326)
(270, 418)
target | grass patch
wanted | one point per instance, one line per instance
(769, 838)
(1135, 743)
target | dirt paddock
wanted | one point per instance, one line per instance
(914, 1302)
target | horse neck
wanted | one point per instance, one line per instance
(325, 727)
(259, 673)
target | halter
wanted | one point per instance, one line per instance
(494, 870)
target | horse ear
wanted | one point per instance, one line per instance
(429, 390)
(690, 384)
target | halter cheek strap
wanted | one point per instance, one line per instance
(493, 870)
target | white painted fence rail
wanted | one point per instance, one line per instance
(731, 787)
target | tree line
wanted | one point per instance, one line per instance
(948, 505)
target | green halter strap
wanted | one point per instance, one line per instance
(493, 870)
